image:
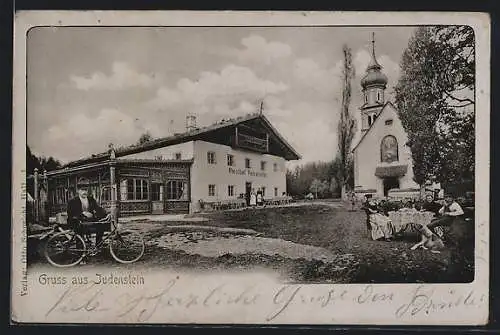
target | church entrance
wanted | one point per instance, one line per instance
(389, 184)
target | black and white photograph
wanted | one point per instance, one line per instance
(319, 155)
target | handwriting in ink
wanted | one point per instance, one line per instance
(75, 299)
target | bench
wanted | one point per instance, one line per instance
(226, 204)
(278, 201)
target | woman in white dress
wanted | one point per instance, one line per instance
(253, 199)
(381, 227)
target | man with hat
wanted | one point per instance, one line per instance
(84, 208)
(430, 205)
(459, 237)
(448, 213)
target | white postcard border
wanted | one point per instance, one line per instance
(24, 307)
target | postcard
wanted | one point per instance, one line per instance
(250, 168)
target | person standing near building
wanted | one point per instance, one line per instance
(368, 210)
(352, 196)
(253, 198)
(260, 198)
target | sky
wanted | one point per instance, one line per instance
(91, 86)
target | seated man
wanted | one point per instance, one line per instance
(84, 208)
(448, 213)
(430, 205)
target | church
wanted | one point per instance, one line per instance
(382, 160)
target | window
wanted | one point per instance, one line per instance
(263, 191)
(134, 189)
(178, 155)
(275, 167)
(211, 157)
(389, 149)
(60, 196)
(378, 96)
(263, 166)
(230, 160)
(388, 122)
(159, 158)
(230, 190)
(105, 193)
(247, 163)
(211, 190)
(275, 191)
(176, 190)
(366, 98)
(369, 120)
(156, 192)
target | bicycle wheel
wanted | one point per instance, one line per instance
(65, 249)
(127, 246)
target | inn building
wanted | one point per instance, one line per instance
(182, 173)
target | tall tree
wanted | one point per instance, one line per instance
(435, 100)
(347, 124)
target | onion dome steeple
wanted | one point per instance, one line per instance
(373, 83)
(374, 75)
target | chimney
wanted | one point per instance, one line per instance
(191, 122)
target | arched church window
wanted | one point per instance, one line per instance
(389, 149)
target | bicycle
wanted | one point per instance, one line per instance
(68, 247)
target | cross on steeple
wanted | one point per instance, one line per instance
(373, 83)
(373, 62)
(373, 43)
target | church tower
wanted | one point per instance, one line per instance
(373, 83)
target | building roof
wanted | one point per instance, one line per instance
(374, 75)
(391, 171)
(374, 123)
(374, 78)
(288, 153)
(89, 165)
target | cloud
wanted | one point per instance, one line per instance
(231, 86)
(122, 76)
(311, 129)
(257, 49)
(82, 135)
(322, 80)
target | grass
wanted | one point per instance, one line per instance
(330, 226)
(344, 232)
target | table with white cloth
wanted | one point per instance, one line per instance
(406, 220)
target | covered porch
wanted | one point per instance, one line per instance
(124, 187)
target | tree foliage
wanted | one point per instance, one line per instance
(435, 100)
(319, 187)
(41, 163)
(300, 179)
(347, 124)
(144, 138)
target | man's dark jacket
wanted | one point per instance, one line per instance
(75, 212)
